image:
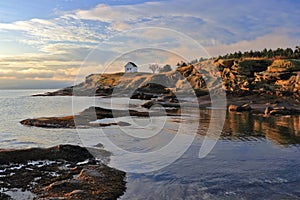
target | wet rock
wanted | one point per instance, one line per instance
(283, 111)
(66, 152)
(68, 91)
(148, 104)
(88, 117)
(143, 96)
(268, 110)
(242, 108)
(84, 118)
(232, 107)
(76, 193)
(53, 174)
(58, 185)
(201, 92)
(87, 162)
(171, 98)
(51, 122)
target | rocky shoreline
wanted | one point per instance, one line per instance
(264, 105)
(255, 104)
(60, 172)
(253, 79)
(259, 87)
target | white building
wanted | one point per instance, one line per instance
(131, 67)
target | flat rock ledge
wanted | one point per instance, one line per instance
(60, 172)
(88, 117)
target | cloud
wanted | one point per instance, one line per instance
(93, 38)
(61, 29)
(211, 22)
(39, 73)
(278, 38)
(32, 84)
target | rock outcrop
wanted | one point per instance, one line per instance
(281, 78)
(138, 85)
(61, 172)
(84, 119)
(263, 76)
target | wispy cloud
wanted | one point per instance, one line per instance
(62, 29)
(209, 22)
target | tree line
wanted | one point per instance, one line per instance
(287, 53)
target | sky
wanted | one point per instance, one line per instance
(54, 43)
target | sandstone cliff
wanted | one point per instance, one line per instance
(238, 77)
(278, 77)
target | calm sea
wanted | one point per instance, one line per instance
(255, 158)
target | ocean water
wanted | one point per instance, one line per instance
(255, 157)
(16, 105)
